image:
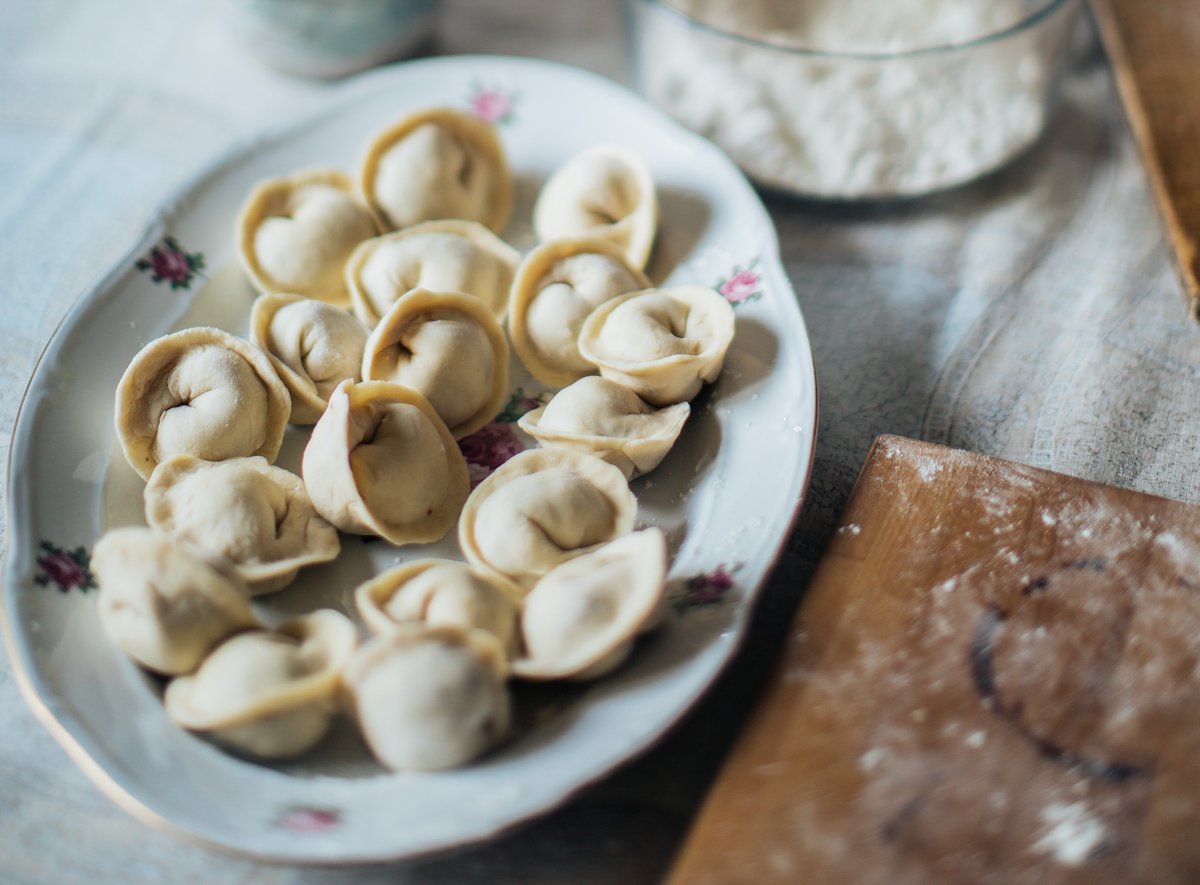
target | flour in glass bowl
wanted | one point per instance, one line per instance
(888, 125)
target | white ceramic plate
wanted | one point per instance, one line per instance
(726, 495)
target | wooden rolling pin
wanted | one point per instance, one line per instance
(993, 677)
(1154, 46)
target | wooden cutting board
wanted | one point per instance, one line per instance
(1155, 50)
(993, 677)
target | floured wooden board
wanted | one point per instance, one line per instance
(992, 678)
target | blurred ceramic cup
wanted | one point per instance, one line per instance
(332, 38)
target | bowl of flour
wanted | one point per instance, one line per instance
(856, 99)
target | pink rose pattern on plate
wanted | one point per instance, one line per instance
(168, 263)
(305, 819)
(493, 104)
(488, 448)
(66, 569)
(742, 286)
(520, 403)
(705, 589)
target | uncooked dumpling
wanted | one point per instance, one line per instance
(543, 507)
(381, 462)
(437, 163)
(450, 348)
(663, 344)
(605, 192)
(314, 346)
(269, 693)
(200, 392)
(430, 698)
(605, 419)
(444, 256)
(294, 234)
(580, 620)
(441, 592)
(557, 286)
(254, 515)
(162, 603)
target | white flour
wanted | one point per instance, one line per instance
(845, 127)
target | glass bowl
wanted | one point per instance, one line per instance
(865, 121)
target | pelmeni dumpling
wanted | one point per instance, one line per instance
(381, 462)
(663, 344)
(580, 620)
(605, 419)
(441, 592)
(314, 346)
(256, 516)
(543, 507)
(162, 603)
(294, 234)
(268, 693)
(450, 348)
(557, 285)
(444, 256)
(430, 698)
(200, 392)
(437, 163)
(605, 192)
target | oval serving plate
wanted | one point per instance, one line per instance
(726, 495)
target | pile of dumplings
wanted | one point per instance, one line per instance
(381, 324)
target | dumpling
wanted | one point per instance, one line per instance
(605, 419)
(294, 234)
(437, 163)
(314, 346)
(556, 287)
(200, 392)
(430, 698)
(163, 604)
(580, 620)
(268, 693)
(449, 347)
(605, 192)
(543, 507)
(256, 516)
(663, 344)
(441, 592)
(445, 256)
(381, 462)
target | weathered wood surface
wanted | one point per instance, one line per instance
(1155, 49)
(992, 677)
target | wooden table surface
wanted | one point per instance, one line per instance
(1033, 315)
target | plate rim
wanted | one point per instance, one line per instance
(279, 130)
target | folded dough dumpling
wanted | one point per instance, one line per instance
(444, 256)
(610, 421)
(200, 392)
(440, 592)
(663, 344)
(269, 693)
(164, 604)
(313, 345)
(556, 287)
(430, 698)
(381, 462)
(437, 163)
(580, 620)
(295, 233)
(605, 192)
(256, 516)
(449, 347)
(543, 507)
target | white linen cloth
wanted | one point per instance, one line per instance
(1034, 315)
